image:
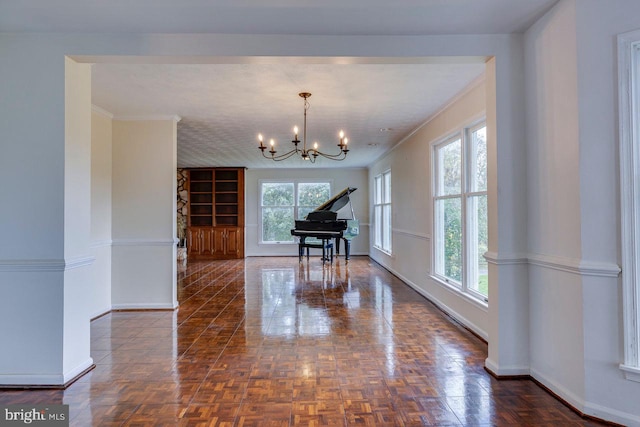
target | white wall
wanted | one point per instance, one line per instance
(554, 201)
(101, 137)
(412, 208)
(143, 215)
(77, 219)
(598, 24)
(48, 275)
(573, 200)
(339, 178)
(32, 266)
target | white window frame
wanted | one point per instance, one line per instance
(295, 206)
(629, 108)
(463, 286)
(381, 227)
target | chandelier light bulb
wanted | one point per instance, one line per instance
(272, 142)
(315, 146)
(341, 134)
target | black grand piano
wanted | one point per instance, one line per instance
(323, 224)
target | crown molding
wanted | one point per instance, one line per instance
(101, 111)
(146, 118)
(480, 80)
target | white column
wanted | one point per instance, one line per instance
(508, 286)
(44, 267)
(144, 214)
(77, 219)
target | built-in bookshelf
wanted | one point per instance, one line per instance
(216, 213)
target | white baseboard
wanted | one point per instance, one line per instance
(609, 414)
(100, 313)
(587, 408)
(73, 373)
(570, 397)
(144, 306)
(35, 380)
(31, 380)
(506, 371)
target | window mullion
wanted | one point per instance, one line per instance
(296, 197)
(463, 208)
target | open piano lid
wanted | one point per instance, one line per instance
(337, 202)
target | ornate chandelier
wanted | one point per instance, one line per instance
(310, 154)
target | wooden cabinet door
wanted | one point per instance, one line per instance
(194, 241)
(208, 241)
(235, 242)
(219, 242)
(215, 242)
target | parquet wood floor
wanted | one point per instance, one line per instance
(274, 342)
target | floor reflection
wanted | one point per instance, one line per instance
(309, 299)
(272, 341)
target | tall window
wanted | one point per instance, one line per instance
(460, 210)
(283, 202)
(629, 105)
(382, 211)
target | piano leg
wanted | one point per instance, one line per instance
(301, 249)
(347, 248)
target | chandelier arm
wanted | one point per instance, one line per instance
(341, 156)
(281, 156)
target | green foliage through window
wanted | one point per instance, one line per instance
(279, 207)
(460, 202)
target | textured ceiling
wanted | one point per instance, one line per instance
(353, 17)
(224, 106)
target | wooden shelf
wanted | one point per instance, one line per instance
(216, 213)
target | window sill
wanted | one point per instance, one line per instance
(483, 305)
(632, 373)
(277, 243)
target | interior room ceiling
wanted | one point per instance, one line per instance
(353, 17)
(224, 106)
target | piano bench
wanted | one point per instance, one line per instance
(326, 246)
